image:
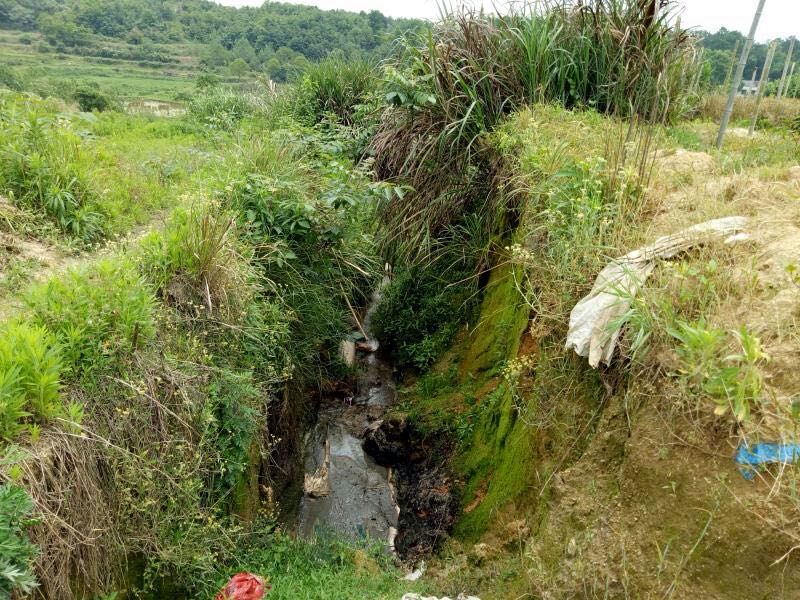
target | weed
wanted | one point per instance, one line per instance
(38, 166)
(100, 315)
(733, 381)
(30, 377)
(16, 550)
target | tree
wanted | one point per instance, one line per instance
(242, 49)
(238, 68)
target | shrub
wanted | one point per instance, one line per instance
(16, 550)
(421, 310)
(90, 100)
(99, 314)
(233, 424)
(9, 79)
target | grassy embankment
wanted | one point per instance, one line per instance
(519, 155)
(178, 285)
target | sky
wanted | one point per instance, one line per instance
(781, 18)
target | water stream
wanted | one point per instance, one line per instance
(345, 491)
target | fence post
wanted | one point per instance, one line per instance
(737, 80)
(785, 69)
(763, 84)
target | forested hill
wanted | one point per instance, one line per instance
(275, 32)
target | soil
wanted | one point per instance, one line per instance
(426, 492)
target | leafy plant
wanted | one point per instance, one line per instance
(99, 314)
(30, 377)
(233, 423)
(732, 380)
(39, 166)
(16, 550)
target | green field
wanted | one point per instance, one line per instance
(53, 72)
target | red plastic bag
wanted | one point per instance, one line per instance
(244, 586)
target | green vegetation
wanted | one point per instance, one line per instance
(149, 48)
(176, 281)
(30, 370)
(16, 552)
(172, 358)
(478, 70)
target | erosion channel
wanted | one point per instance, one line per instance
(368, 473)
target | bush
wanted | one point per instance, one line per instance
(421, 311)
(9, 79)
(93, 100)
(233, 423)
(99, 314)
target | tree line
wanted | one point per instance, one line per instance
(274, 37)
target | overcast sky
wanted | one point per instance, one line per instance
(781, 17)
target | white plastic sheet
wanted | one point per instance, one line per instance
(594, 324)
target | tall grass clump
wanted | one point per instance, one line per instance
(221, 108)
(335, 87)
(624, 58)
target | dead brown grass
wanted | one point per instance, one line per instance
(773, 112)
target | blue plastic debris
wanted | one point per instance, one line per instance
(749, 457)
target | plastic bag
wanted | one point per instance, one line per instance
(244, 586)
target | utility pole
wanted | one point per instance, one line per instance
(785, 68)
(762, 84)
(733, 63)
(737, 79)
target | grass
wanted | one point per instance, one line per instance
(478, 69)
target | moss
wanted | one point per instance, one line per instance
(246, 499)
(502, 321)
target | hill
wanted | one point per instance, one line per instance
(154, 48)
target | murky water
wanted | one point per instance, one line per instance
(345, 490)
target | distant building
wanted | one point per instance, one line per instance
(749, 87)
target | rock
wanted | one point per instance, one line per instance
(416, 574)
(388, 441)
(347, 351)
